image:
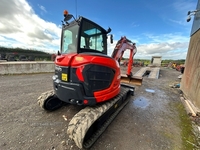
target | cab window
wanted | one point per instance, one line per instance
(92, 38)
(69, 41)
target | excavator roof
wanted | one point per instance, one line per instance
(82, 19)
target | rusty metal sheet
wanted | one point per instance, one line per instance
(135, 80)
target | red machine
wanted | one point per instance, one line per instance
(85, 75)
(122, 45)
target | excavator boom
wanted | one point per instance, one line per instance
(122, 45)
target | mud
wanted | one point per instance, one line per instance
(154, 118)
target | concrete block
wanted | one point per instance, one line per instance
(26, 67)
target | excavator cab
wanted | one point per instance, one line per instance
(83, 35)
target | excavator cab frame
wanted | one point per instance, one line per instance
(83, 35)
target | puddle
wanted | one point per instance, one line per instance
(141, 102)
(150, 90)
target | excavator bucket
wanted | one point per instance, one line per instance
(134, 80)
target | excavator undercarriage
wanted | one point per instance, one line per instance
(89, 123)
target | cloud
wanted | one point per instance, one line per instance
(42, 8)
(21, 27)
(169, 46)
(179, 22)
(181, 7)
(184, 6)
(133, 25)
(170, 37)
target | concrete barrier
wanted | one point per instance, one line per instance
(26, 67)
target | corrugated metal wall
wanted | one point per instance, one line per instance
(190, 83)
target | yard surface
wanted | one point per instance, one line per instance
(154, 118)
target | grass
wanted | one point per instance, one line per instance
(188, 137)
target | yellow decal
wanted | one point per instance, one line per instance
(79, 58)
(64, 76)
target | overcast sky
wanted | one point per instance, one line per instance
(158, 27)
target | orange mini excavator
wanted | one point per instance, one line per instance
(86, 75)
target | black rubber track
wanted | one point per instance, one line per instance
(49, 101)
(84, 119)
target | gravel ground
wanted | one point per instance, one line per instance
(154, 119)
